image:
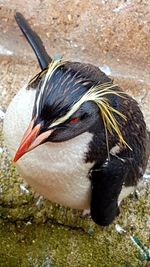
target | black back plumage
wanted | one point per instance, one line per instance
(125, 168)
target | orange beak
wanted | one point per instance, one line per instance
(31, 139)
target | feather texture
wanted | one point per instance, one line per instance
(98, 94)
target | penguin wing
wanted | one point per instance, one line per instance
(107, 183)
(34, 40)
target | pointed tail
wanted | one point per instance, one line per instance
(34, 40)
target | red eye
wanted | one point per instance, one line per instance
(74, 120)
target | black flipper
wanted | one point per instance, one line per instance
(34, 40)
(106, 186)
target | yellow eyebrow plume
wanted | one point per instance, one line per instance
(98, 95)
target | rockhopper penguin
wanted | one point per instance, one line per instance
(83, 141)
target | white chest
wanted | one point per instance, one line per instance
(55, 170)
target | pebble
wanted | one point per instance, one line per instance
(1, 150)
(119, 229)
(106, 69)
(24, 189)
(2, 115)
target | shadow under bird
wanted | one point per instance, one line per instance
(84, 142)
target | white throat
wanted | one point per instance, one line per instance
(55, 170)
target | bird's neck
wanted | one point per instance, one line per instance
(101, 143)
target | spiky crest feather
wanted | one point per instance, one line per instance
(98, 94)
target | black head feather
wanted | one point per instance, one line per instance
(66, 86)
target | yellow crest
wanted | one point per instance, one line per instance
(97, 94)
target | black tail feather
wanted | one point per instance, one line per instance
(34, 40)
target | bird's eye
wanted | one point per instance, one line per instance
(74, 120)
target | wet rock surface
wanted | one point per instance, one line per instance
(115, 36)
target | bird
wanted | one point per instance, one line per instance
(75, 136)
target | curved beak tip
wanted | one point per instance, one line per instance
(30, 140)
(16, 157)
(20, 152)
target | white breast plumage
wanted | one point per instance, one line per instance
(55, 170)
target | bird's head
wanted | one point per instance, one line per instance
(66, 105)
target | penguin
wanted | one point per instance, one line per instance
(76, 137)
